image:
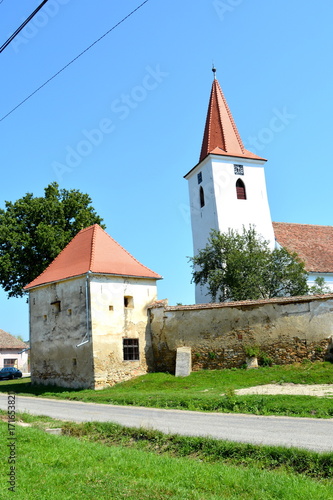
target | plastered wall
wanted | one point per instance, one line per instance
(77, 328)
(58, 323)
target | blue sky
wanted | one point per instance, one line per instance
(124, 122)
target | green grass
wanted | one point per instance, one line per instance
(205, 391)
(59, 467)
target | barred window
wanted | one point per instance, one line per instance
(131, 349)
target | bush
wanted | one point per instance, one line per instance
(252, 351)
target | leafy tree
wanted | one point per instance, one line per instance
(34, 230)
(319, 287)
(240, 266)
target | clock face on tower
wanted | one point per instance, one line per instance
(239, 169)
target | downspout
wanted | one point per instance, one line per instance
(86, 339)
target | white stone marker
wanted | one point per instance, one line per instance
(183, 362)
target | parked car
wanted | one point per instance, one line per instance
(10, 372)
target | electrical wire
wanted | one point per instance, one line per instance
(11, 38)
(73, 60)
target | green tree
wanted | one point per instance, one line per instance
(240, 266)
(319, 287)
(34, 230)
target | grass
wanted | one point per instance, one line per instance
(110, 462)
(205, 391)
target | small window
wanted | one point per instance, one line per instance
(238, 169)
(202, 197)
(56, 308)
(128, 302)
(131, 349)
(69, 312)
(199, 177)
(9, 363)
(111, 307)
(240, 190)
(45, 317)
(74, 362)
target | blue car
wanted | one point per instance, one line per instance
(10, 372)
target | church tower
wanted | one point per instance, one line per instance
(227, 188)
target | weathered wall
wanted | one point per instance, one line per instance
(287, 330)
(112, 321)
(56, 331)
(89, 310)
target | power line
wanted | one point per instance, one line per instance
(11, 38)
(73, 60)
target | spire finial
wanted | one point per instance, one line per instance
(214, 71)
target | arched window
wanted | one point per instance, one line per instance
(202, 197)
(240, 190)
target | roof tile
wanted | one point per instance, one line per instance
(92, 249)
(221, 136)
(312, 243)
(8, 341)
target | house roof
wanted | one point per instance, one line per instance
(221, 136)
(92, 249)
(313, 244)
(8, 341)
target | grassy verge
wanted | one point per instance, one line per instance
(206, 391)
(110, 462)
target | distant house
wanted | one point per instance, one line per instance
(13, 352)
(88, 314)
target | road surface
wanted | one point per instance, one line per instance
(309, 433)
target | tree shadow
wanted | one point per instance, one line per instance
(24, 386)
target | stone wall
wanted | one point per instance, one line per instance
(286, 330)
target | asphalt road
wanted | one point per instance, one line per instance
(312, 434)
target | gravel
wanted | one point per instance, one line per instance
(290, 389)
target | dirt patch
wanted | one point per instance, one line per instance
(289, 389)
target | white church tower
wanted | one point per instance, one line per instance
(227, 187)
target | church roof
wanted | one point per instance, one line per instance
(8, 341)
(313, 244)
(92, 249)
(221, 136)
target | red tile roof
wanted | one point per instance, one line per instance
(221, 136)
(313, 244)
(92, 249)
(7, 341)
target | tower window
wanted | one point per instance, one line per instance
(240, 190)
(131, 349)
(199, 177)
(202, 197)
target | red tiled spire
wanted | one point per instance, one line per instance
(92, 249)
(221, 136)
